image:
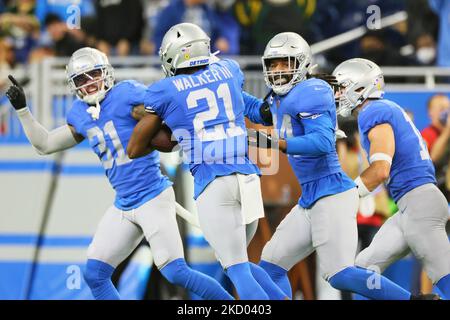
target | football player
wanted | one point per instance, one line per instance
(304, 116)
(106, 114)
(202, 102)
(398, 157)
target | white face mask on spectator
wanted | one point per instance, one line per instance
(426, 55)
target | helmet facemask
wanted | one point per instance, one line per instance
(167, 62)
(282, 81)
(358, 80)
(81, 82)
(347, 99)
(352, 95)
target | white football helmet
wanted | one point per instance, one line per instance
(359, 79)
(87, 64)
(292, 46)
(184, 45)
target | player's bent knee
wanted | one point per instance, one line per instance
(97, 272)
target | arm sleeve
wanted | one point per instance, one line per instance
(44, 141)
(319, 137)
(313, 108)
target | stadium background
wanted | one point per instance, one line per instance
(50, 205)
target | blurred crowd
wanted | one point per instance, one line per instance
(33, 29)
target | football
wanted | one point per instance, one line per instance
(162, 141)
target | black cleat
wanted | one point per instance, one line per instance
(426, 296)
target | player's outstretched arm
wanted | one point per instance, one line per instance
(382, 149)
(143, 133)
(44, 141)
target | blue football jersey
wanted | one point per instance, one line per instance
(411, 164)
(135, 181)
(205, 112)
(310, 108)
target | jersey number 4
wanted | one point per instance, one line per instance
(217, 132)
(104, 153)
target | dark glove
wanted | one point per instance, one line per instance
(264, 110)
(16, 95)
(265, 113)
(261, 139)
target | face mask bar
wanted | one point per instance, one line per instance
(277, 76)
(284, 78)
(81, 81)
(345, 103)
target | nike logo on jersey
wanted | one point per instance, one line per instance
(306, 115)
(149, 109)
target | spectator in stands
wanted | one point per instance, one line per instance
(151, 10)
(119, 26)
(62, 8)
(342, 16)
(217, 21)
(373, 209)
(226, 40)
(353, 14)
(7, 62)
(422, 32)
(21, 26)
(442, 9)
(425, 50)
(437, 136)
(421, 21)
(262, 19)
(374, 47)
(64, 41)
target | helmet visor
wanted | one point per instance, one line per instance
(87, 78)
(280, 70)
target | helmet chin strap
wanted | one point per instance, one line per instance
(94, 111)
